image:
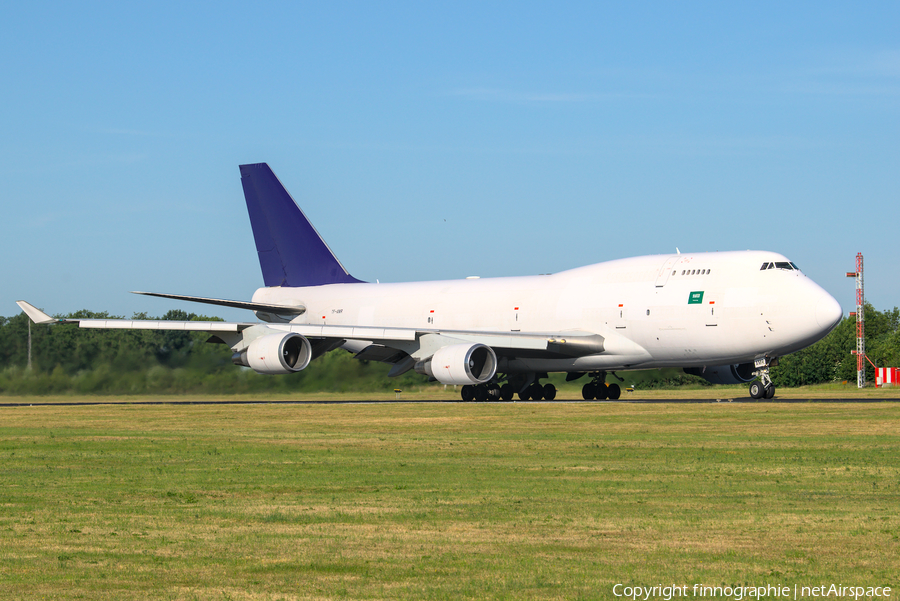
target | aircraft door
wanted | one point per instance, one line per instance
(620, 317)
(666, 270)
(712, 319)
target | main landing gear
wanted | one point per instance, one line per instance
(763, 388)
(536, 392)
(529, 388)
(598, 389)
(480, 392)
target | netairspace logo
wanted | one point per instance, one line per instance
(739, 593)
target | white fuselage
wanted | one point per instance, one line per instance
(686, 310)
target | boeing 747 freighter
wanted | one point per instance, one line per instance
(725, 316)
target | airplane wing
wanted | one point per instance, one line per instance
(39, 317)
(408, 340)
(573, 344)
(280, 348)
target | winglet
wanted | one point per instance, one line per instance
(291, 251)
(36, 315)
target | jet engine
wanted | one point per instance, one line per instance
(276, 354)
(461, 364)
(724, 374)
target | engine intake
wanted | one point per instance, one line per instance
(724, 374)
(461, 364)
(276, 354)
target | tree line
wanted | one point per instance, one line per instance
(68, 359)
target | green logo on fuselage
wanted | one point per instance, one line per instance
(696, 298)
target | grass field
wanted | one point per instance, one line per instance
(444, 501)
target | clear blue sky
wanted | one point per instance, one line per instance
(431, 141)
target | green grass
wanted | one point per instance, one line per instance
(443, 501)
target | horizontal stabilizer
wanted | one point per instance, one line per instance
(277, 309)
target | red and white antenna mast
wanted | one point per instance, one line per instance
(860, 323)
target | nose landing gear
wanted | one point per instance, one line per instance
(763, 387)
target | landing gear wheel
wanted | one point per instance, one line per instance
(507, 392)
(481, 393)
(763, 387)
(468, 393)
(756, 390)
(537, 392)
(613, 392)
(549, 392)
(588, 391)
(602, 391)
(525, 395)
(493, 391)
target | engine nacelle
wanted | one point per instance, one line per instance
(461, 364)
(276, 354)
(724, 374)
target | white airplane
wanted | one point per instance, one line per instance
(725, 316)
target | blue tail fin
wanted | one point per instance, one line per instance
(291, 251)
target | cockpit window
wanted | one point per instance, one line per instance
(788, 265)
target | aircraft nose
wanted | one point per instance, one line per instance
(828, 312)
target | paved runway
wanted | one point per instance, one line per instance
(412, 401)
